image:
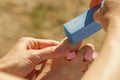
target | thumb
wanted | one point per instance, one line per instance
(37, 56)
(101, 18)
(97, 16)
(58, 51)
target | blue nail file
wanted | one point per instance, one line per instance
(82, 26)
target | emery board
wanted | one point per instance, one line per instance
(82, 26)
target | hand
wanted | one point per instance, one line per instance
(29, 52)
(23, 58)
(109, 17)
(108, 13)
(5, 76)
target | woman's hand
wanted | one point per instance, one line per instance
(29, 52)
(109, 13)
(108, 62)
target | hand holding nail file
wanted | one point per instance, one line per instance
(82, 26)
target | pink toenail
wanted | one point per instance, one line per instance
(88, 56)
(94, 54)
(71, 56)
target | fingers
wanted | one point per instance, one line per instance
(66, 48)
(70, 46)
(36, 56)
(35, 72)
(95, 3)
(42, 43)
(32, 43)
(61, 50)
(101, 18)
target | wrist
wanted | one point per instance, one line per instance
(8, 67)
(113, 24)
(113, 30)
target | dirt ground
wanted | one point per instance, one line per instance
(39, 19)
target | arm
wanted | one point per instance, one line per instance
(107, 65)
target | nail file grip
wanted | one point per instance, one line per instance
(82, 26)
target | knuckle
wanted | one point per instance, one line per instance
(61, 51)
(51, 49)
(24, 39)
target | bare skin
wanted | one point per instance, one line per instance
(6, 76)
(106, 66)
(29, 52)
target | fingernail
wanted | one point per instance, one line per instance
(71, 56)
(88, 56)
(94, 54)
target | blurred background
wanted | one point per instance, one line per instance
(44, 19)
(39, 19)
